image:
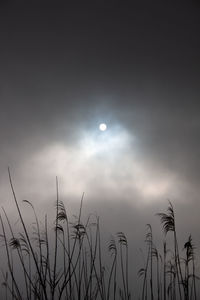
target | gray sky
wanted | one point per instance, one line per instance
(134, 65)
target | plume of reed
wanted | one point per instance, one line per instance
(168, 222)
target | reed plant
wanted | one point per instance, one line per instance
(174, 275)
(70, 262)
(71, 267)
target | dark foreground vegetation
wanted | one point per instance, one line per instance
(72, 265)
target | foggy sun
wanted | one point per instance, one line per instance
(102, 126)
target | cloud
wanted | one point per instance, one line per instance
(61, 76)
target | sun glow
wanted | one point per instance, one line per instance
(103, 127)
(110, 142)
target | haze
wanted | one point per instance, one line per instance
(66, 68)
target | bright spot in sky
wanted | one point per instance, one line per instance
(111, 142)
(102, 126)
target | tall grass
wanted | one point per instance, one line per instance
(72, 265)
(174, 275)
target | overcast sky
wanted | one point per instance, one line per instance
(133, 65)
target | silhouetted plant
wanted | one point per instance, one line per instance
(168, 222)
(72, 267)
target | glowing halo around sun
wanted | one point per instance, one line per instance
(102, 127)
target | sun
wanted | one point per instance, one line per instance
(102, 126)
